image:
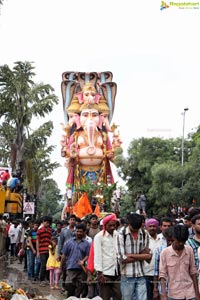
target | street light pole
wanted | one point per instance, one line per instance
(182, 146)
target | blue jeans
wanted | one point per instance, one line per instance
(30, 263)
(37, 267)
(133, 288)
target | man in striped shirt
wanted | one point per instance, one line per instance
(194, 242)
(133, 248)
(43, 240)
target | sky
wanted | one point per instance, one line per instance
(154, 56)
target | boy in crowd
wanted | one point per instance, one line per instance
(177, 267)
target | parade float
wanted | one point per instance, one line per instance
(90, 141)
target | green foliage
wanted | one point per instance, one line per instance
(21, 100)
(22, 148)
(153, 166)
(49, 199)
(92, 189)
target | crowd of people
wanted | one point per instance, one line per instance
(130, 258)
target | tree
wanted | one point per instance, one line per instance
(49, 198)
(37, 156)
(142, 155)
(153, 166)
(21, 100)
(166, 187)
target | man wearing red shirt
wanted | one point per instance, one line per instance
(5, 175)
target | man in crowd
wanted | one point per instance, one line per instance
(187, 221)
(133, 247)
(32, 251)
(13, 183)
(177, 268)
(74, 255)
(154, 242)
(169, 232)
(66, 234)
(43, 240)
(94, 226)
(166, 222)
(105, 259)
(194, 242)
(5, 176)
(13, 234)
(58, 229)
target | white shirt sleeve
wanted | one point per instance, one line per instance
(98, 252)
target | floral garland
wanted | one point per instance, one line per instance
(7, 291)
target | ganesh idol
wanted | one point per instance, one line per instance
(86, 143)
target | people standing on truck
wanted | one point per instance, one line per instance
(5, 176)
(13, 183)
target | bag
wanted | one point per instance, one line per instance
(20, 253)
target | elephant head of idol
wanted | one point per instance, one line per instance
(88, 94)
(89, 120)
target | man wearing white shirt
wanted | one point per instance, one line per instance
(13, 234)
(166, 222)
(106, 259)
(154, 242)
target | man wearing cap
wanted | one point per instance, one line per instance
(106, 260)
(154, 242)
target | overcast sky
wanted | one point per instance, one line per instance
(153, 55)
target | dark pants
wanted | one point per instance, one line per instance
(111, 288)
(74, 282)
(43, 261)
(25, 260)
(149, 284)
(93, 290)
(7, 243)
(13, 250)
(64, 275)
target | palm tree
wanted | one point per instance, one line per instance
(21, 99)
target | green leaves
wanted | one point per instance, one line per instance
(154, 166)
(21, 100)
